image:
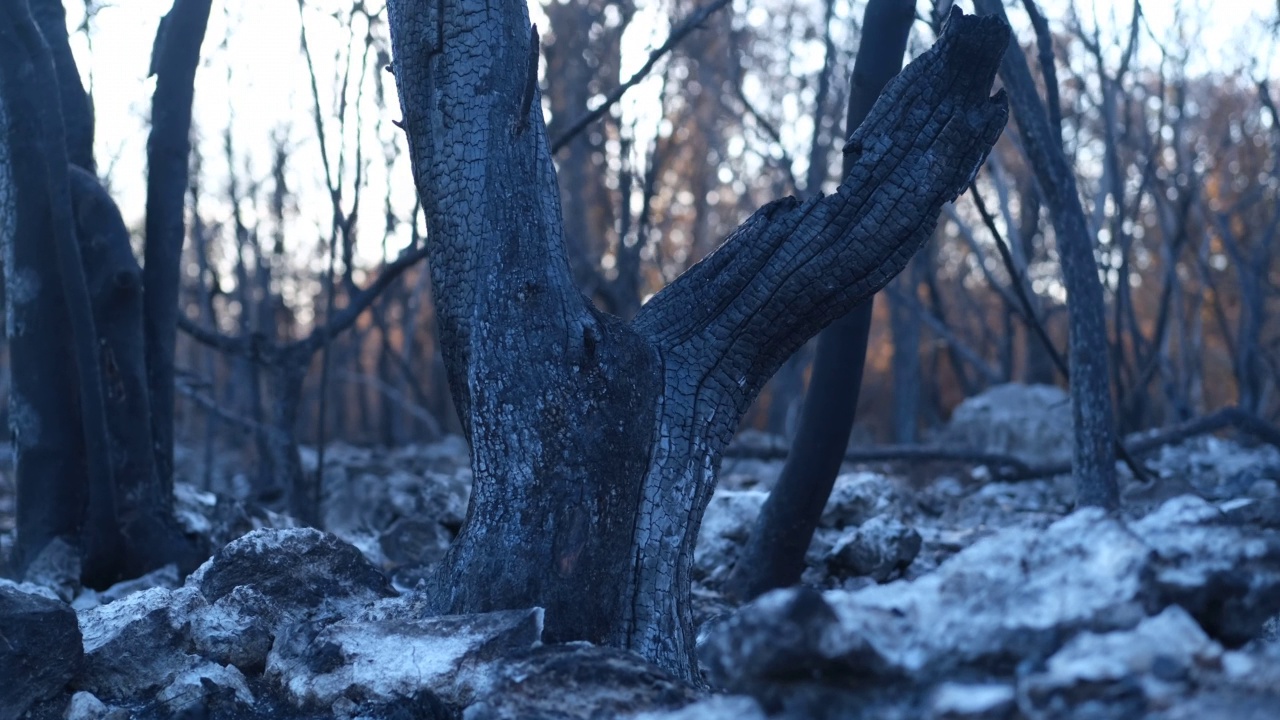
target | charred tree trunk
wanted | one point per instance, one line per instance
(57, 419)
(77, 111)
(151, 537)
(177, 53)
(595, 444)
(303, 498)
(1093, 464)
(774, 555)
(102, 492)
(905, 327)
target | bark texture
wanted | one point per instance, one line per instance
(77, 110)
(81, 413)
(595, 444)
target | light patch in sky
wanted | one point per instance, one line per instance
(253, 76)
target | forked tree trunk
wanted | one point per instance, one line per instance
(595, 444)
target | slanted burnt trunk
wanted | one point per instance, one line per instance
(774, 554)
(595, 443)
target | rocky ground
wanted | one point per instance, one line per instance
(931, 592)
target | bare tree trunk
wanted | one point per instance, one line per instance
(177, 53)
(595, 444)
(905, 328)
(62, 446)
(1093, 456)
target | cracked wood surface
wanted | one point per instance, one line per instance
(595, 444)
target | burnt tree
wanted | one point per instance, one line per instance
(595, 443)
(92, 473)
(1093, 456)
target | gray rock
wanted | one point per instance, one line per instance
(880, 548)
(1160, 656)
(1030, 422)
(203, 685)
(716, 707)
(138, 644)
(412, 541)
(401, 508)
(57, 567)
(194, 646)
(237, 629)
(781, 636)
(1253, 671)
(1011, 595)
(857, 497)
(40, 648)
(1220, 706)
(725, 527)
(578, 680)
(365, 490)
(84, 706)
(299, 569)
(1218, 468)
(271, 579)
(221, 518)
(1066, 607)
(1225, 574)
(390, 651)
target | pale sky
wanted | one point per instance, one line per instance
(268, 88)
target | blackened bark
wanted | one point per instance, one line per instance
(774, 554)
(41, 212)
(77, 109)
(150, 535)
(1093, 455)
(176, 56)
(44, 419)
(595, 444)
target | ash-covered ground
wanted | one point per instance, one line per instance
(931, 591)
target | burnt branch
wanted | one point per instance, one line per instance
(794, 267)
(895, 453)
(257, 348)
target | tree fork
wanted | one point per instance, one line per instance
(595, 444)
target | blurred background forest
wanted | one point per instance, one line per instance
(301, 195)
